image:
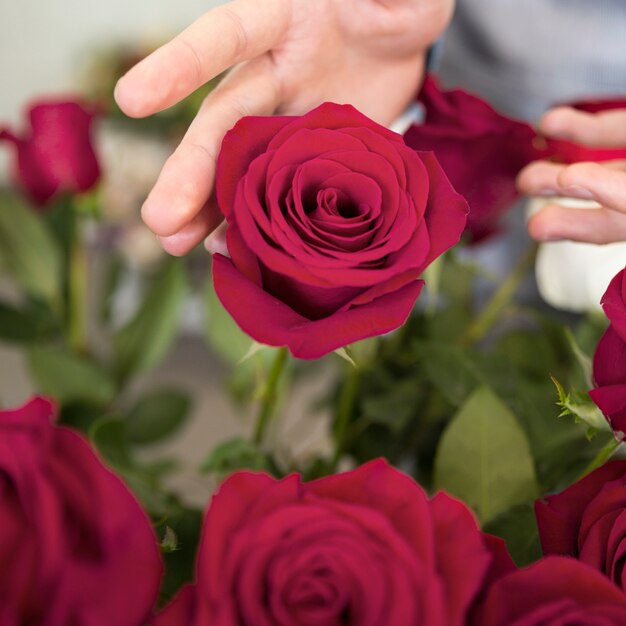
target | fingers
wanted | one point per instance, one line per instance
(221, 38)
(186, 180)
(193, 233)
(606, 129)
(598, 226)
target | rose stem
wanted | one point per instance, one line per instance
(347, 398)
(269, 396)
(483, 323)
(77, 300)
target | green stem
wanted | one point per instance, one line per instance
(345, 409)
(481, 326)
(605, 453)
(77, 296)
(269, 396)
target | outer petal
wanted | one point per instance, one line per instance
(446, 212)
(241, 145)
(551, 591)
(269, 321)
(181, 611)
(559, 516)
(463, 557)
(614, 304)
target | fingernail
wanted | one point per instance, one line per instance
(578, 192)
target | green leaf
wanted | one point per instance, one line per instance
(484, 457)
(585, 361)
(394, 407)
(450, 370)
(518, 527)
(28, 250)
(233, 455)
(110, 438)
(69, 378)
(24, 325)
(224, 336)
(157, 415)
(145, 340)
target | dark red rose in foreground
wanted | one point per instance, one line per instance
(609, 373)
(588, 521)
(364, 547)
(331, 220)
(75, 546)
(480, 150)
(56, 154)
(555, 591)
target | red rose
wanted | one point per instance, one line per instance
(609, 373)
(555, 591)
(609, 361)
(588, 521)
(364, 547)
(331, 220)
(480, 150)
(56, 155)
(75, 546)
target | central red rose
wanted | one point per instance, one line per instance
(331, 220)
(363, 548)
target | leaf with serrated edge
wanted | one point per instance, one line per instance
(484, 457)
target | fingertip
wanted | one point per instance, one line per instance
(543, 227)
(557, 122)
(156, 219)
(125, 97)
(177, 245)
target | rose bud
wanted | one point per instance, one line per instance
(363, 547)
(56, 154)
(331, 221)
(75, 546)
(588, 521)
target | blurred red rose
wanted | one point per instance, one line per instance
(331, 220)
(588, 521)
(480, 150)
(363, 547)
(75, 546)
(555, 591)
(56, 154)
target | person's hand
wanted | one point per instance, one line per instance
(291, 55)
(605, 183)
